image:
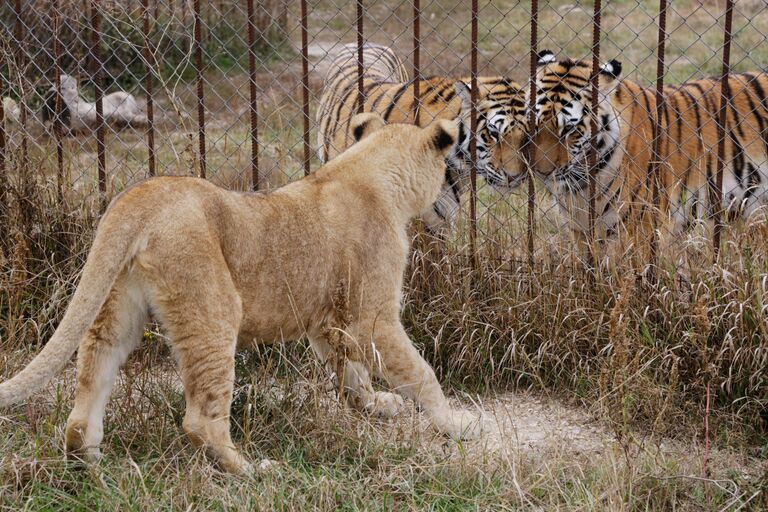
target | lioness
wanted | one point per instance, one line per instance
(223, 270)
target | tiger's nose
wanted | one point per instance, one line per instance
(547, 163)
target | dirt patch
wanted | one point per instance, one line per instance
(518, 424)
(533, 423)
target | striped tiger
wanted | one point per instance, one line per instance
(626, 115)
(388, 92)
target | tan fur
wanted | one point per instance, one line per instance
(322, 257)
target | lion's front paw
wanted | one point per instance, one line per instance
(459, 424)
(248, 469)
(232, 462)
(88, 455)
(385, 405)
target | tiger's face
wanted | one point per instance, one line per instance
(561, 142)
(500, 137)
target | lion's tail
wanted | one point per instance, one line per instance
(115, 244)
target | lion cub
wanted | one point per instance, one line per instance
(224, 270)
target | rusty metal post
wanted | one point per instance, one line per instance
(592, 155)
(416, 59)
(360, 91)
(656, 163)
(473, 143)
(200, 93)
(529, 147)
(149, 64)
(716, 189)
(19, 36)
(97, 66)
(254, 105)
(57, 121)
(3, 170)
(305, 84)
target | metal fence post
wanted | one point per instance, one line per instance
(592, 155)
(149, 64)
(473, 142)
(305, 84)
(200, 89)
(3, 169)
(57, 121)
(360, 92)
(97, 66)
(253, 97)
(530, 150)
(19, 36)
(656, 163)
(716, 193)
(416, 60)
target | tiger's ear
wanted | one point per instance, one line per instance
(364, 124)
(611, 70)
(545, 57)
(441, 135)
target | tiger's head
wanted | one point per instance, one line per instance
(500, 134)
(561, 143)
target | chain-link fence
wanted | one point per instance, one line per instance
(589, 160)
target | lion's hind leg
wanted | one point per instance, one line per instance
(208, 373)
(203, 324)
(107, 344)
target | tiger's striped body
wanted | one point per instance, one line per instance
(338, 103)
(388, 92)
(626, 117)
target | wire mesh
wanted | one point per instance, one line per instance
(98, 94)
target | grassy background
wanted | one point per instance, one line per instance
(638, 357)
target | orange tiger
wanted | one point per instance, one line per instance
(626, 115)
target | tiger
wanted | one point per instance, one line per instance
(388, 91)
(624, 148)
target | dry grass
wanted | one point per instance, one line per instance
(329, 458)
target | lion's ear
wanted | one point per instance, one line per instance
(364, 124)
(442, 135)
